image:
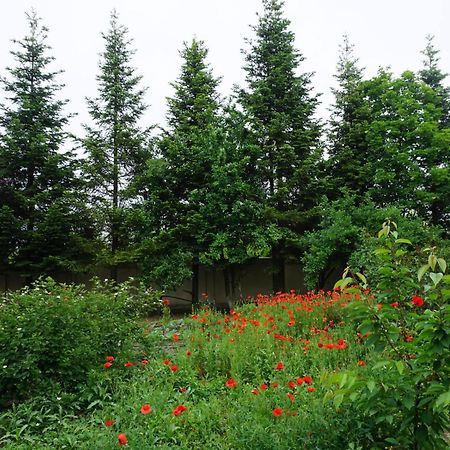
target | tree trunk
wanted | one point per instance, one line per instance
(227, 279)
(195, 283)
(278, 272)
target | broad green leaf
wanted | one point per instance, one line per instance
(436, 277)
(400, 366)
(361, 277)
(403, 241)
(371, 385)
(432, 261)
(338, 399)
(443, 400)
(442, 264)
(422, 270)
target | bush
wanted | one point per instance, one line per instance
(53, 333)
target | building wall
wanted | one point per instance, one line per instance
(250, 280)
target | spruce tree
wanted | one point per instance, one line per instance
(188, 149)
(43, 226)
(347, 165)
(280, 112)
(116, 145)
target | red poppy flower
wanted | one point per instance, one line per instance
(310, 389)
(275, 384)
(110, 358)
(173, 368)
(307, 379)
(417, 301)
(292, 385)
(146, 409)
(395, 304)
(290, 396)
(277, 412)
(279, 366)
(175, 337)
(122, 439)
(178, 410)
(182, 389)
(255, 391)
(166, 362)
(264, 387)
(144, 362)
(109, 423)
(188, 353)
(231, 383)
(361, 363)
(408, 338)
(107, 365)
(128, 364)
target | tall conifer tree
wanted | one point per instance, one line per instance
(347, 164)
(188, 149)
(116, 144)
(43, 226)
(280, 108)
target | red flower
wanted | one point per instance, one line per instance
(290, 396)
(178, 410)
(263, 387)
(417, 301)
(110, 358)
(361, 363)
(175, 337)
(107, 365)
(255, 391)
(231, 383)
(292, 385)
(310, 389)
(166, 362)
(182, 389)
(128, 364)
(274, 384)
(173, 368)
(144, 362)
(146, 409)
(109, 423)
(395, 304)
(279, 366)
(408, 338)
(307, 379)
(277, 412)
(188, 353)
(122, 439)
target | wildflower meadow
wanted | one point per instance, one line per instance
(352, 368)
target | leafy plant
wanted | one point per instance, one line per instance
(405, 395)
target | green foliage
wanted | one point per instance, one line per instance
(55, 334)
(117, 147)
(405, 395)
(279, 109)
(44, 222)
(174, 183)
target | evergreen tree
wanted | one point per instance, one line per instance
(116, 145)
(43, 224)
(438, 176)
(188, 149)
(280, 108)
(347, 144)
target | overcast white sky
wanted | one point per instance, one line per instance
(385, 33)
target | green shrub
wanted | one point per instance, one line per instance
(403, 399)
(54, 334)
